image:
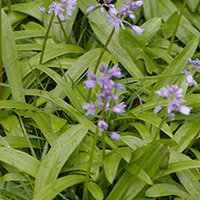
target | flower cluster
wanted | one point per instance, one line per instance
(58, 9)
(175, 98)
(116, 18)
(189, 79)
(106, 96)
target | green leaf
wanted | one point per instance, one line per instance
(10, 59)
(11, 124)
(95, 190)
(58, 155)
(151, 9)
(169, 25)
(190, 183)
(182, 137)
(142, 175)
(181, 165)
(151, 164)
(20, 160)
(165, 189)
(66, 86)
(28, 34)
(136, 46)
(111, 164)
(133, 142)
(57, 123)
(193, 4)
(20, 142)
(153, 119)
(51, 190)
(29, 9)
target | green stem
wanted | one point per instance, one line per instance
(176, 27)
(64, 32)
(100, 57)
(42, 56)
(45, 40)
(1, 68)
(90, 165)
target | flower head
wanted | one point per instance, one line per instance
(90, 107)
(116, 18)
(106, 95)
(58, 9)
(115, 136)
(43, 10)
(175, 98)
(119, 108)
(102, 125)
(189, 79)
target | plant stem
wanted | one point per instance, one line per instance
(1, 68)
(90, 164)
(63, 30)
(176, 27)
(42, 56)
(45, 40)
(99, 59)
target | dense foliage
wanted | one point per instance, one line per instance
(100, 100)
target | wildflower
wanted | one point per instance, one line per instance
(137, 30)
(119, 108)
(102, 125)
(90, 107)
(58, 8)
(43, 10)
(175, 98)
(115, 136)
(90, 9)
(189, 79)
(106, 95)
(69, 5)
(157, 109)
(116, 18)
(194, 63)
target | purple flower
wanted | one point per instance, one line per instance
(119, 86)
(115, 136)
(112, 10)
(90, 107)
(189, 79)
(116, 22)
(102, 67)
(194, 63)
(56, 8)
(119, 108)
(90, 84)
(136, 4)
(175, 98)
(157, 109)
(115, 71)
(43, 10)
(163, 92)
(70, 6)
(137, 30)
(90, 9)
(171, 115)
(91, 75)
(102, 125)
(185, 110)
